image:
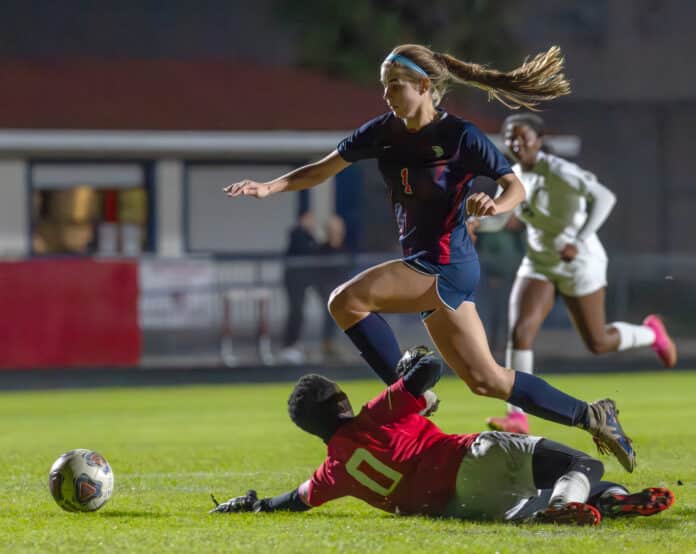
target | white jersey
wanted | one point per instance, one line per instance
(564, 205)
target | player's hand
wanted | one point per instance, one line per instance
(410, 358)
(234, 505)
(480, 204)
(247, 188)
(568, 252)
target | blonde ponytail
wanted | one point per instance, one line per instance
(538, 79)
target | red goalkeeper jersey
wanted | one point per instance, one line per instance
(390, 457)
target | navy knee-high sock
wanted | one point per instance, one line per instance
(377, 345)
(535, 396)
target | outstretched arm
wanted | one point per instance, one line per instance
(304, 177)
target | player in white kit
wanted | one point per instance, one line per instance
(565, 206)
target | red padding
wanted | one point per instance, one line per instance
(69, 313)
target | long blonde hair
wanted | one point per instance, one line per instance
(540, 78)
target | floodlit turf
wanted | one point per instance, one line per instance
(171, 447)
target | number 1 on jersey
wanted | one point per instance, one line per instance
(408, 189)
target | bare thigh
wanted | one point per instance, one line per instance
(589, 317)
(530, 302)
(391, 287)
(461, 339)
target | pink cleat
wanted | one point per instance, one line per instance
(514, 422)
(663, 346)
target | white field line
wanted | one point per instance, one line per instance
(14, 483)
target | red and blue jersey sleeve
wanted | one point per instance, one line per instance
(393, 403)
(364, 142)
(481, 156)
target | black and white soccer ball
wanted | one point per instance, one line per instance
(81, 481)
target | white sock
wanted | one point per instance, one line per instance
(574, 486)
(633, 336)
(519, 360)
(617, 489)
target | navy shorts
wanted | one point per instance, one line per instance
(456, 283)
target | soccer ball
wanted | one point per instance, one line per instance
(81, 481)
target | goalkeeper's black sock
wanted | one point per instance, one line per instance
(290, 501)
(377, 345)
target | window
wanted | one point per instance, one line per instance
(91, 208)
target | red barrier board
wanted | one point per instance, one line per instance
(69, 313)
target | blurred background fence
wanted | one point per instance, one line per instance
(228, 320)
(205, 312)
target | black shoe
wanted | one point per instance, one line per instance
(573, 513)
(647, 502)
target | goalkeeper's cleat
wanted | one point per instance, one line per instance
(647, 502)
(514, 422)
(573, 513)
(432, 403)
(663, 346)
(603, 424)
(410, 358)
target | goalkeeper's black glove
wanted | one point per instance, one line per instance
(410, 358)
(246, 503)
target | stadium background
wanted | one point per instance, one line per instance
(121, 260)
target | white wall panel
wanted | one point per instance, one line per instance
(236, 225)
(14, 236)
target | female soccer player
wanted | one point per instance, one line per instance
(565, 206)
(428, 159)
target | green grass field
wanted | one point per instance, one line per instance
(171, 447)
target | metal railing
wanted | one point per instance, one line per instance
(237, 315)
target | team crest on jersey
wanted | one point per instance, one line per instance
(438, 151)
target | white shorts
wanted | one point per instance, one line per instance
(495, 479)
(584, 275)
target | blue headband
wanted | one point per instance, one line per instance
(403, 60)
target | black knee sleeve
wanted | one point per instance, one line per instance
(599, 488)
(552, 459)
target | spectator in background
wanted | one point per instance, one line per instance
(334, 270)
(298, 278)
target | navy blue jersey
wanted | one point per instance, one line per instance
(428, 174)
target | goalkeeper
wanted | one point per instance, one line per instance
(397, 460)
